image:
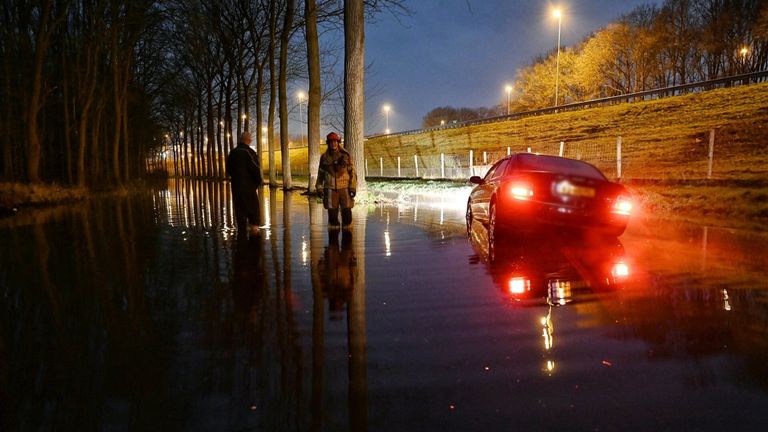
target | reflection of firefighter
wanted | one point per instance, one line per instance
(337, 272)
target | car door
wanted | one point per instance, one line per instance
(481, 195)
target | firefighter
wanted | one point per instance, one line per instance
(337, 182)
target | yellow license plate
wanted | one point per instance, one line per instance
(567, 188)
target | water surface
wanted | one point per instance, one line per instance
(148, 312)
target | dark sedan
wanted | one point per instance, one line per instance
(527, 190)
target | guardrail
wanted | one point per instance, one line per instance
(629, 97)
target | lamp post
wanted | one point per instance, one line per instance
(386, 118)
(557, 14)
(300, 95)
(509, 89)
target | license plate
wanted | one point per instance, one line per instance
(567, 188)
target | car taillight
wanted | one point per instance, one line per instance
(622, 206)
(521, 191)
(519, 285)
(620, 270)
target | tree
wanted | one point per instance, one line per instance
(315, 92)
(449, 114)
(354, 73)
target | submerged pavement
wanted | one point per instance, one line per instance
(149, 312)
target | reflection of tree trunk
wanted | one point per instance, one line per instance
(357, 339)
(43, 251)
(316, 235)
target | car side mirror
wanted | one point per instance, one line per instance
(476, 180)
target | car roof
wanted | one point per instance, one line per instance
(557, 164)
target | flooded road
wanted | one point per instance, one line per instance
(148, 313)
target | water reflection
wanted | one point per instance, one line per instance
(553, 268)
(146, 312)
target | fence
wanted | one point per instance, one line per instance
(462, 166)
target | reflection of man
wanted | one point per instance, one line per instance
(337, 181)
(245, 174)
(336, 272)
(248, 278)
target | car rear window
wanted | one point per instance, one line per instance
(533, 162)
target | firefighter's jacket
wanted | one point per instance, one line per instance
(336, 171)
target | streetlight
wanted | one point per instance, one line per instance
(509, 94)
(557, 14)
(386, 117)
(300, 96)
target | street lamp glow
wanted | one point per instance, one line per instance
(557, 14)
(245, 116)
(386, 117)
(509, 89)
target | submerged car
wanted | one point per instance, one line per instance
(526, 190)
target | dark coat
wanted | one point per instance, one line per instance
(245, 176)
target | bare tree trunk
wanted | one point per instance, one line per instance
(354, 74)
(259, 113)
(285, 37)
(314, 93)
(272, 94)
(35, 99)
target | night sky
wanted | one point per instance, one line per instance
(462, 52)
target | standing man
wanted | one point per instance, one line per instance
(245, 175)
(337, 181)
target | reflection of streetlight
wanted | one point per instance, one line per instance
(557, 14)
(300, 96)
(386, 117)
(509, 94)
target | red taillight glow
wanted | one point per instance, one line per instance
(622, 206)
(519, 285)
(521, 191)
(620, 270)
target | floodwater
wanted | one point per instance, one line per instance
(148, 313)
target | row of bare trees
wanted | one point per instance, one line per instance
(78, 79)
(93, 89)
(680, 42)
(235, 61)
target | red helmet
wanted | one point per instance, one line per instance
(333, 136)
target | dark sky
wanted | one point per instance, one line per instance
(462, 52)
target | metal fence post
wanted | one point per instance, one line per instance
(485, 158)
(366, 167)
(416, 164)
(442, 165)
(471, 160)
(381, 167)
(618, 157)
(562, 147)
(398, 166)
(509, 151)
(711, 152)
